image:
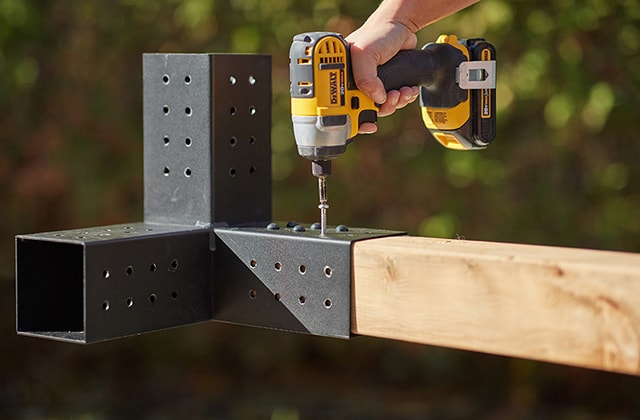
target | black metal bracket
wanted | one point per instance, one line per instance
(286, 276)
(206, 249)
(96, 284)
(207, 138)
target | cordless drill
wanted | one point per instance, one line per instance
(457, 95)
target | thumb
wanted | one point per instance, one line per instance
(365, 75)
(410, 42)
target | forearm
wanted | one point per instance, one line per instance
(416, 14)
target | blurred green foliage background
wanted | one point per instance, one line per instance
(563, 170)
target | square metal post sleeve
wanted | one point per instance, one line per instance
(207, 160)
(100, 283)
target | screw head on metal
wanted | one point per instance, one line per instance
(298, 228)
(273, 226)
(315, 226)
(292, 224)
(342, 228)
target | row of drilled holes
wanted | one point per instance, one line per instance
(187, 141)
(188, 111)
(153, 267)
(166, 109)
(129, 302)
(166, 79)
(188, 172)
(129, 270)
(302, 269)
(233, 80)
(253, 294)
(233, 141)
(233, 111)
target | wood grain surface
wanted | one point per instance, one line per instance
(570, 306)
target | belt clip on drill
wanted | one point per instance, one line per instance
(457, 96)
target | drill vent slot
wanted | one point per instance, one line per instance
(331, 60)
(331, 52)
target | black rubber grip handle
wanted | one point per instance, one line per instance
(436, 64)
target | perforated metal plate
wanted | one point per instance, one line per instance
(287, 278)
(207, 144)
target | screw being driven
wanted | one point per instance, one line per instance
(323, 206)
(321, 169)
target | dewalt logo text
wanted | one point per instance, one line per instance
(333, 87)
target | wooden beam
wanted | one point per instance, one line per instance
(570, 306)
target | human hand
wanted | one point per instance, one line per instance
(372, 45)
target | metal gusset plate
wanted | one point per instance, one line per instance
(95, 284)
(289, 278)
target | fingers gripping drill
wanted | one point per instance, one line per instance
(457, 96)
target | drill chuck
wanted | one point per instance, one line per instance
(321, 168)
